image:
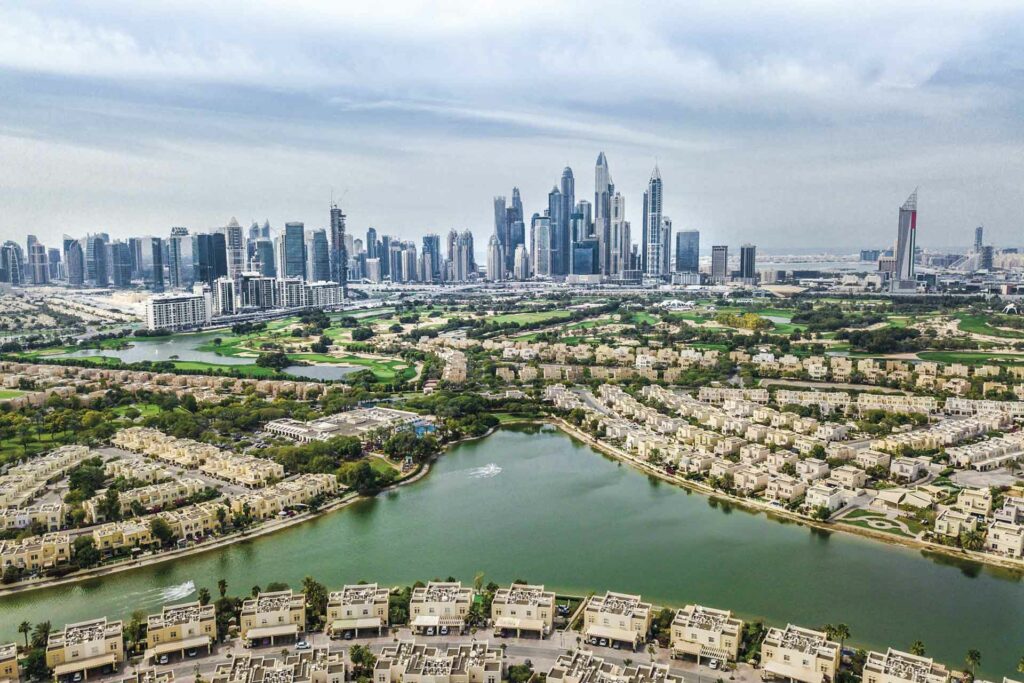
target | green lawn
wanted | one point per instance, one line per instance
(146, 409)
(10, 393)
(386, 370)
(380, 466)
(970, 357)
(531, 317)
(979, 324)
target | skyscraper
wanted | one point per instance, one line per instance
(541, 251)
(501, 218)
(719, 263)
(38, 262)
(618, 241)
(263, 261)
(371, 243)
(521, 266)
(177, 268)
(516, 229)
(12, 263)
(979, 239)
(748, 263)
(135, 248)
(687, 251)
(495, 260)
(339, 250)
(554, 214)
(906, 238)
(318, 259)
(293, 250)
(432, 257)
(53, 261)
(121, 264)
(74, 261)
(567, 191)
(234, 248)
(604, 190)
(155, 272)
(96, 260)
(653, 253)
(210, 259)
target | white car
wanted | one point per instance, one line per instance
(713, 664)
(302, 645)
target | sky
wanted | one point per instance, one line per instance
(790, 124)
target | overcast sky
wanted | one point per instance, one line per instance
(787, 124)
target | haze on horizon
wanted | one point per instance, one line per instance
(788, 124)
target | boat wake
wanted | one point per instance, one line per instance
(485, 472)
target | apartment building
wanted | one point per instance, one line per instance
(271, 617)
(706, 633)
(412, 662)
(582, 666)
(440, 606)
(178, 628)
(894, 666)
(617, 618)
(523, 609)
(36, 552)
(85, 648)
(9, 671)
(1005, 538)
(799, 654)
(355, 608)
(317, 665)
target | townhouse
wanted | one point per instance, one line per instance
(292, 493)
(270, 617)
(130, 533)
(616, 618)
(317, 665)
(36, 552)
(440, 606)
(85, 648)
(149, 498)
(706, 633)
(894, 666)
(44, 516)
(582, 666)
(411, 662)
(194, 522)
(523, 608)
(22, 483)
(9, 670)
(355, 608)
(799, 654)
(180, 628)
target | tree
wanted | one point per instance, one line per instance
(41, 634)
(222, 587)
(86, 555)
(973, 660)
(361, 333)
(316, 599)
(161, 530)
(25, 628)
(204, 596)
(363, 660)
(274, 359)
(917, 648)
(110, 505)
(35, 665)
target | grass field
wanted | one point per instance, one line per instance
(10, 393)
(532, 317)
(146, 409)
(979, 324)
(385, 370)
(971, 357)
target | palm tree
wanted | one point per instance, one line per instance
(917, 648)
(842, 632)
(973, 660)
(222, 587)
(1020, 665)
(204, 596)
(25, 628)
(255, 591)
(41, 633)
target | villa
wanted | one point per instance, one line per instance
(706, 633)
(188, 626)
(357, 607)
(439, 606)
(85, 647)
(900, 667)
(617, 618)
(523, 608)
(799, 654)
(272, 616)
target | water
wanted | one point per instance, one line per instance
(320, 372)
(539, 506)
(181, 347)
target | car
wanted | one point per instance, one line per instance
(302, 645)
(444, 630)
(593, 640)
(604, 642)
(713, 664)
(77, 677)
(348, 635)
(430, 630)
(162, 659)
(615, 645)
(191, 652)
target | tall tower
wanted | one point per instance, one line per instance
(293, 251)
(979, 239)
(339, 251)
(719, 263)
(234, 246)
(687, 251)
(567, 188)
(653, 253)
(500, 220)
(748, 262)
(604, 189)
(906, 238)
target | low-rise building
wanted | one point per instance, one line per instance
(952, 523)
(894, 666)
(581, 666)
(36, 552)
(355, 608)
(1005, 538)
(188, 626)
(976, 502)
(617, 618)
(411, 662)
(706, 633)
(270, 617)
(799, 654)
(85, 648)
(785, 488)
(439, 606)
(9, 671)
(317, 665)
(523, 608)
(849, 477)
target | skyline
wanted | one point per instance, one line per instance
(764, 130)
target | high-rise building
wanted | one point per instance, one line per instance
(432, 257)
(653, 253)
(12, 263)
(318, 258)
(521, 265)
(96, 265)
(501, 218)
(209, 255)
(562, 256)
(541, 251)
(687, 251)
(604, 190)
(384, 254)
(906, 240)
(263, 261)
(178, 254)
(74, 261)
(979, 238)
(371, 243)
(135, 248)
(617, 242)
(516, 229)
(748, 263)
(985, 257)
(154, 273)
(585, 257)
(234, 246)
(54, 264)
(339, 249)
(719, 263)
(38, 263)
(121, 264)
(495, 260)
(554, 214)
(293, 251)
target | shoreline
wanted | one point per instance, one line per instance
(786, 515)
